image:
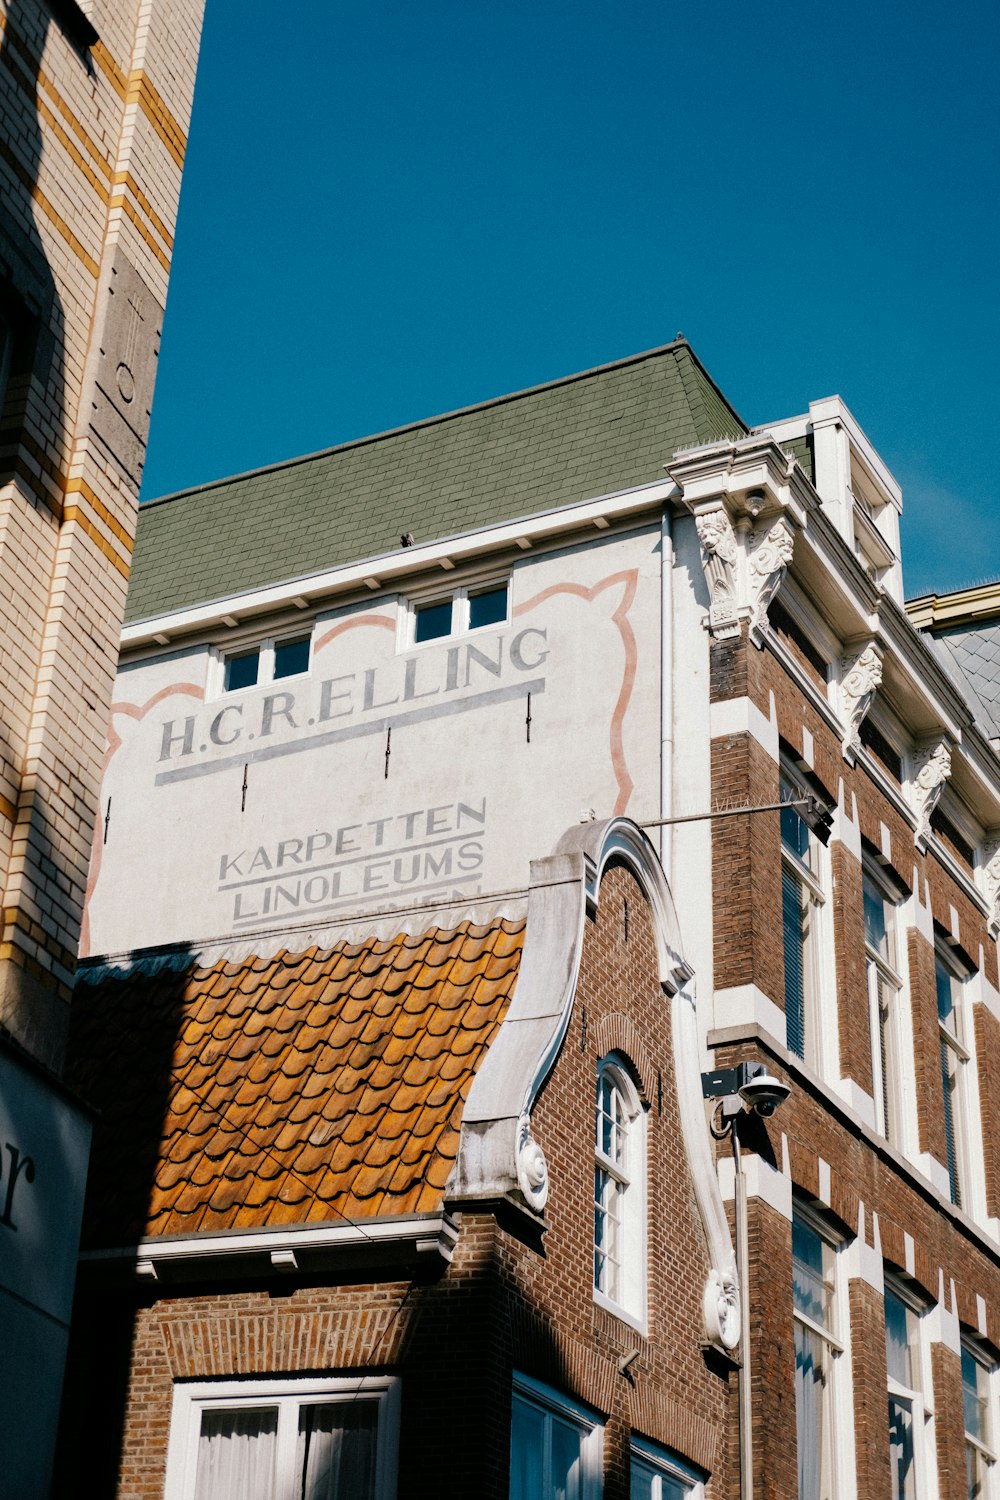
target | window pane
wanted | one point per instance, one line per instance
(810, 1291)
(811, 1413)
(241, 669)
(897, 1341)
(794, 832)
(527, 1451)
(335, 1453)
(974, 1380)
(643, 1481)
(236, 1454)
(945, 996)
(489, 608)
(876, 933)
(949, 1084)
(791, 907)
(291, 657)
(432, 621)
(566, 1477)
(904, 1485)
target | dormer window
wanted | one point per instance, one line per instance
(458, 612)
(266, 661)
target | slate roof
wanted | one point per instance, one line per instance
(591, 434)
(971, 656)
(297, 1089)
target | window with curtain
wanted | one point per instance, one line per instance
(908, 1385)
(980, 1454)
(817, 1349)
(619, 1189)
(954, 1057)
(884, 991)
(802, 899)
(322, 1439)
(555, 1446)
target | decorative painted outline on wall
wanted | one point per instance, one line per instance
(629, 577)
(131, 711)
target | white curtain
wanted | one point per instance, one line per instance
(335, 1458)
(236, 1454)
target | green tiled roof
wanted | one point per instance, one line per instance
(590, 434)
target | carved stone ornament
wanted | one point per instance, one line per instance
(991, 881)
(721, 1308)
(934, 768)
(532, 1170)
(718, 549)
(857, 690)
(768, 560)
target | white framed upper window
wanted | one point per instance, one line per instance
(883, 963)
(556, 1445)
(657, 1475)
(803, 898)
(271, 660)
(978, 1381)
(820, 1376)
(284, 1439)
(950, 984)
(619, 1192)
(909, 1379)
(460, 611)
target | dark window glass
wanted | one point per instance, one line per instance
(432, 621)
(489, 608)
(291, 657)
(876, 742)
(241, 670)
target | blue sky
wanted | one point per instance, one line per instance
(391, 210)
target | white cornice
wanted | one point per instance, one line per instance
(285, 1248)
(372, 573)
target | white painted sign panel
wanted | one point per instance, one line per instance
(388, 773)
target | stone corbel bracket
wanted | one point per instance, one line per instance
(498, 1157)
(742, 497)
(719, 560)
(771, 548)
(990, 878)
(861, 675)
(931, 769)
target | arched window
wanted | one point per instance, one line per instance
(619, 1190)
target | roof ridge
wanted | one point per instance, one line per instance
(447, 416)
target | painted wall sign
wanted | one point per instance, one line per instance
(384, 775)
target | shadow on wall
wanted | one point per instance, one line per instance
(31, 313)
(131, 1105)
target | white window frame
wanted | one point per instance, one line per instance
(919, 1398)
(554, 1403)
(984, 1447)
(666, 1466)
(265, 671)
(956, 1041)
(459, 597)
(812, 875)
(288, 1394)
(627, 1181)
(890, 1090)
(836, 1338)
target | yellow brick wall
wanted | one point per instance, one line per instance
(90, 166)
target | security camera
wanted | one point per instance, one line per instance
(763, 1093)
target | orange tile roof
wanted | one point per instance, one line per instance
(302, 1088)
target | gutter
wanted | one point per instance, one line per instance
(424, 1238)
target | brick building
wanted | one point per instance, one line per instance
(95, 99)
(373, 921)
